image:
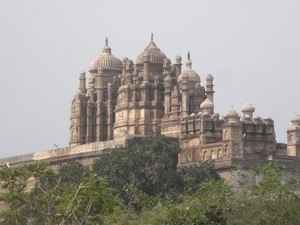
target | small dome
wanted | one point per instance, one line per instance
(178, 57)
(207, 104)
(185, 116)
(209, 78)
(249, 117)
(295, 118)
(188, 71)
(125, 59)
(106, 60)
(232, 113)
(193, 115)
(154, 54)
(247, 107)
(232, 116)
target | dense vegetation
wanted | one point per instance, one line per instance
(140, 184)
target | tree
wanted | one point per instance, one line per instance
(193, 175)
(72, 172)
(151, 166)
(147, 171)
(34, 194)
(272, 200)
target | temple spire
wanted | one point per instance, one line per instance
(189, 55)
(106, 41)
(151, 36)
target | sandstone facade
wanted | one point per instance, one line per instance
(153, 95)
(123, 100)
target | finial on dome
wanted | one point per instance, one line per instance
(189, 55)
(106, 40)
(151, 36)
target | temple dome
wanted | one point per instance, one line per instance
(207, 107)
(106, 60)
(295, 118)
(207, 104)
(248, 107)
(209, 78)
(154, 53)
(189, 72)
(232, 113)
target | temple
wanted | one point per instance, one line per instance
(154, 95)
(123, 102)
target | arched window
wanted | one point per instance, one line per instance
(220, 154)
(225, 153)
(213, 154)
(205, 156)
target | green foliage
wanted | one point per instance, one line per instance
(206, 206)
(150, 167)
(141, 184)
(72, 172)
(270, 201)
(34, 194)
(214, 202)
(192, 176)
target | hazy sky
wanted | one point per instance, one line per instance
(252, 48)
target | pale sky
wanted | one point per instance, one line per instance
(252, 48)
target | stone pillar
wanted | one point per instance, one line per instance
(201, 137)
(185, 95)
(167, 93)
(146, 67)
(124, 62)
(129, 72)
(175, 104)
(89, 122)
(293, 136)
(210, 88)
(232, 134)
(100, 107)
(82, 82)
(100, 88)
(145, 89)
(178, 66)
(110, 119)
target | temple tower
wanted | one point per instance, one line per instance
(78, 114)
(140, 103)
(293, 137)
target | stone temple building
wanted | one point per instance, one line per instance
(123, 101)
(154, 95)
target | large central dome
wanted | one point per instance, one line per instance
(155, 54)
(106, 60)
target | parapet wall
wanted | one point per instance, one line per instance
(59, 155)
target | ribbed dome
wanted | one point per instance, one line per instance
(106, 60)
(154, 53)
(209, 78)
(232, 116)
(207, 104)
(189, 72)
(232, 113)
(248, 107)
(295, 118)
